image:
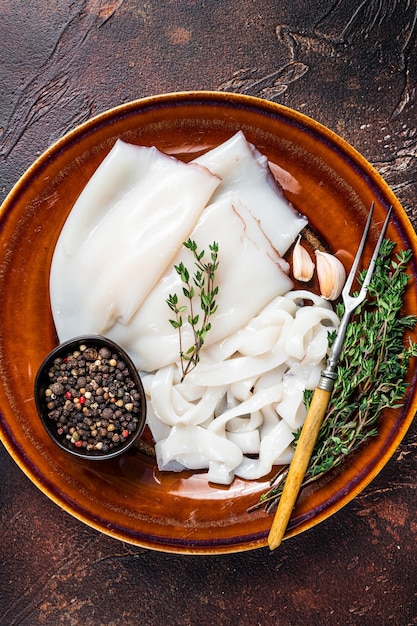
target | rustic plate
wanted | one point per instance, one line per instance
(127, 497)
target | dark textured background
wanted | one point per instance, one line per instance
(351, 65)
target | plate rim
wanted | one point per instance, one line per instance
(208, 97)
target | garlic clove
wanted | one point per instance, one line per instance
(331, 275)
(303, 266)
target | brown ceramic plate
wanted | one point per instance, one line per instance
(127, 497)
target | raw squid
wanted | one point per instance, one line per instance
(132, 210)
(248, 401)
(250, 275)
(141, 205)
(235, 413)
(242, 168)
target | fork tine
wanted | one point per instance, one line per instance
(352, 302)
(352, 273)
(371, 266)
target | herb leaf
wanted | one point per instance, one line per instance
(201, 285)
(372, 369)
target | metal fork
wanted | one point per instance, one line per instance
(322, 393)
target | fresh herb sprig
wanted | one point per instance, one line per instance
(201, 285)
(372, 370)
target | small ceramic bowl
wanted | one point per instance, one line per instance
(90, 398)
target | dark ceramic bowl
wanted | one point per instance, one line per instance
(95, 447)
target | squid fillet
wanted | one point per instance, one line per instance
(249, 276)
(123, 231)
(243, 169)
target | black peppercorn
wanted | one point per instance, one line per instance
(95, 406)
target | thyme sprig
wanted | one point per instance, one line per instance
(372, 370)
(202, 285)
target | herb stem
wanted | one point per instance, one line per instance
(203, 286)
(373, 364)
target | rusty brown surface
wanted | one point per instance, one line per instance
(352, 66)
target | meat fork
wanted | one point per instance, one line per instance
(322, 393)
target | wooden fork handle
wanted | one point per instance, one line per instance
(298, 466)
